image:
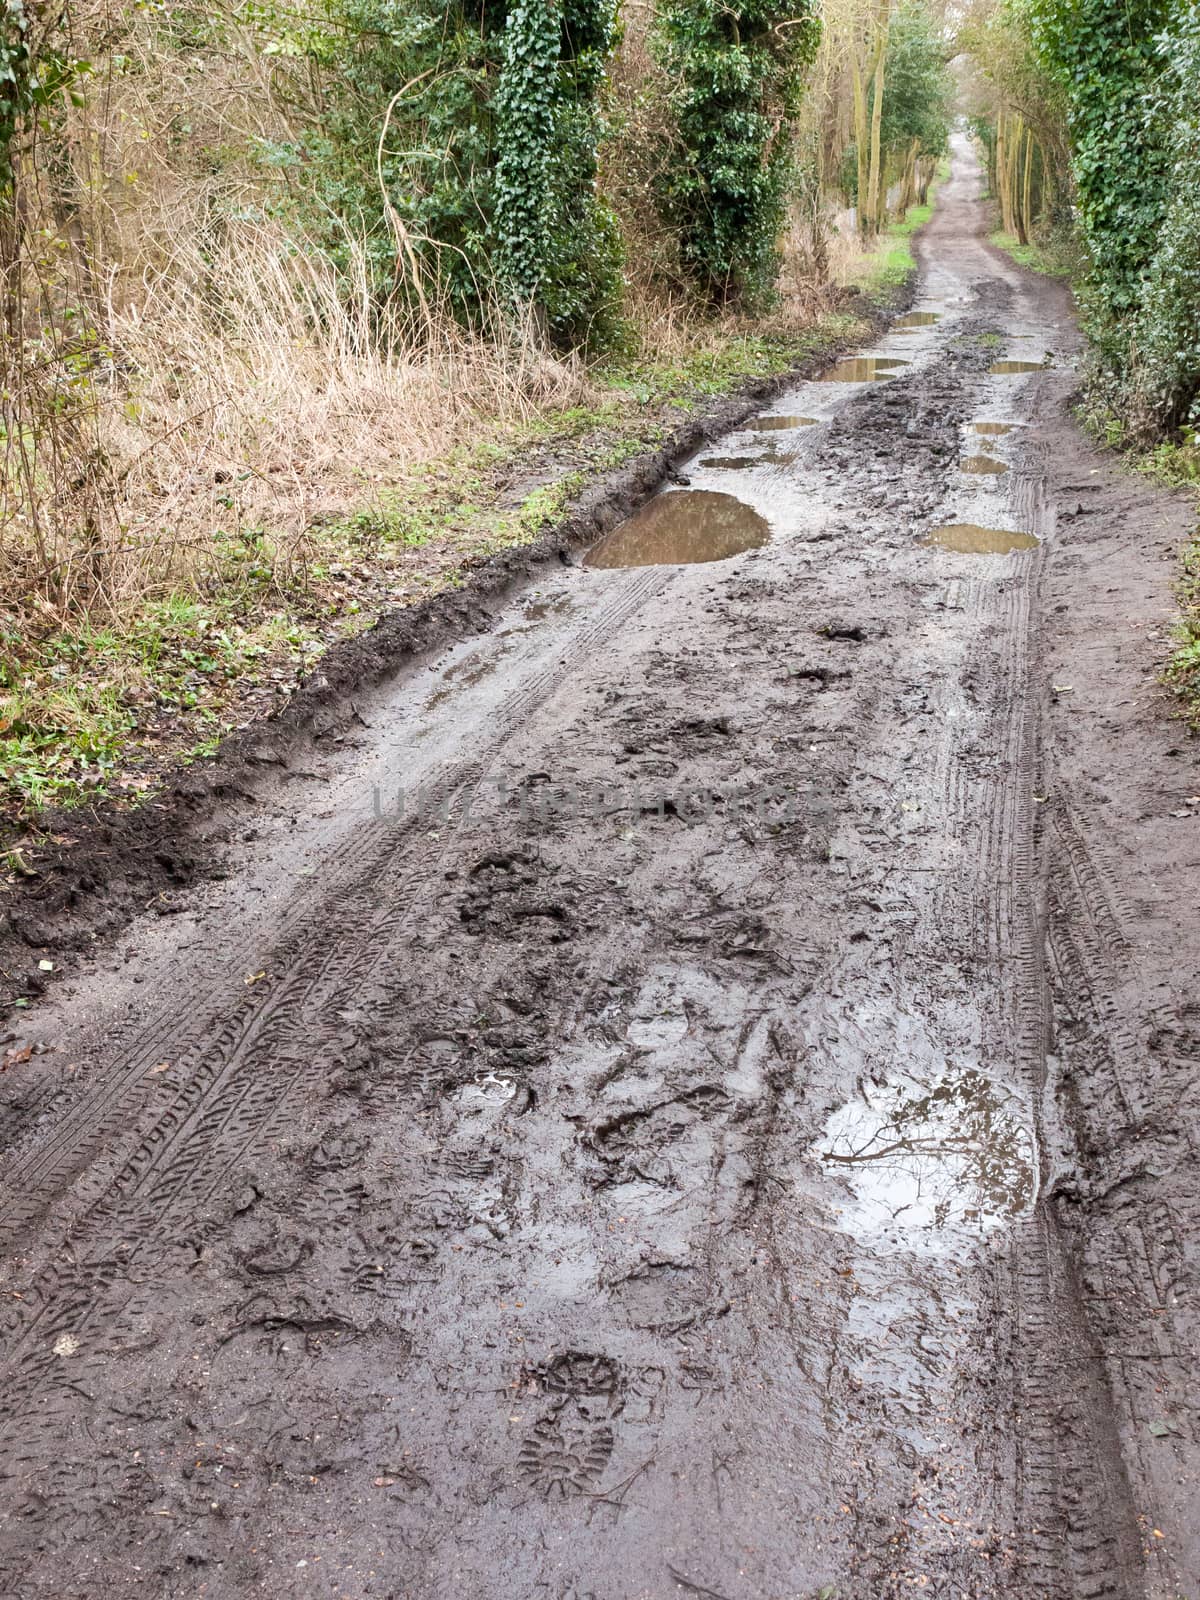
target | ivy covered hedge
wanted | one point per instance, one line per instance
(1129, 72)
(482, 189)
(737, 72)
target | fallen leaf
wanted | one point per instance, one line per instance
(254, 977)
(14, 1057)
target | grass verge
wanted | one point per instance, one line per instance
(95, 713)
(1053, 258)
(1182, 672)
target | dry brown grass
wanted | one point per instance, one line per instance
(193, 369)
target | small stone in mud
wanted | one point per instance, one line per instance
(857, 632)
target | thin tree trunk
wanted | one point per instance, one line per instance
(882, 22)
(860, 143)
(1026, 218)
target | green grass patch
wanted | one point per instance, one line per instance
(1182, 672)
(892, 265)
(1054, 258)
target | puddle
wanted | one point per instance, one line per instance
(656, 1032)
(918, 319)
(994, 429)
(968, 538)
(927, 1161)
(464, 675)
(540, 609)
(983, 464)
(484, 1092)
(861, 369)
(738, 463)
(1017, 366)
(771, 424)
(685, 526)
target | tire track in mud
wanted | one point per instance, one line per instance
(485, 1247)
(355, 867)
(240, 1075)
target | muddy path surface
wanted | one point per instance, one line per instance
(697, 1097)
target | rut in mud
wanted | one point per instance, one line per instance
(604, 1138)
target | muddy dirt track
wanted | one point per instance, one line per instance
(698, 1096)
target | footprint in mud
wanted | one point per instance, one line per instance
(568, 1448)
(655, 1143)
(506, 895)
(663, 1297)
(565, 1453)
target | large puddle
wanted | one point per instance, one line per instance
(772, 424)
(680, 528)
(982, 464)
(925, 1162)
(861, 369)
(993, 430)
(969, 539)
(917, 319)
(1017, 366)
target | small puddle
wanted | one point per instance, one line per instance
(926, 1161)
(484, 1092)
(738, 463)
(993, 429)
(1017, 366)
(918, 319)
(969, 539)
(682, 527)
(772, 424)
(861, 369)
(982, 464)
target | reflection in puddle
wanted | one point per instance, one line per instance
(1017, 366)
(927, 1159)
(969, 539)
(771, 424)
(861, 369)
(682, 527)
(984, 464)
(918, 319)
(993, 429)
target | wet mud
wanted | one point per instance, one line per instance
(690, 1094)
